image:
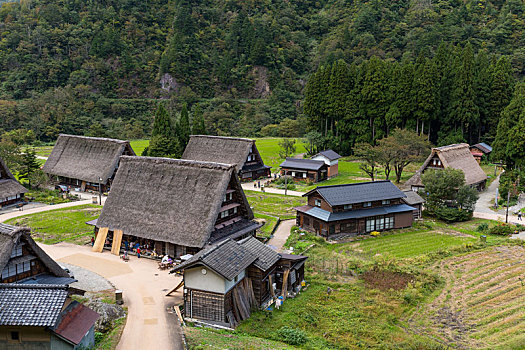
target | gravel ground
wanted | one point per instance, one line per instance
(87, 280)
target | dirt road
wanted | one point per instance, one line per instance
(281, 234)
(149, 325)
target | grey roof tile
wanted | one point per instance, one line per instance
(331, 155)
(302, 164)
(266, 256)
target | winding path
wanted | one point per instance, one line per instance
(281, 234)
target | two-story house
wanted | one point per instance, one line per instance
(356, 208)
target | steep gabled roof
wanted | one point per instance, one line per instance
(86, 158)
(302, 164)
(12, 235)
(266, 256)
(455, 156)
(8, 184)
(358, 192)
(482, 146)
(31, 305)
(169, 200)
(227, 258)
(227, 150)
(329, 154)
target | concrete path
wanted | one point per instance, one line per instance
(486, 200)
(248, 186)
(281, 235)
(15, 214)
(149, 324)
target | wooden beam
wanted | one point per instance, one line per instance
(117, 241)
(176, 288)
(101, 239)
(285, 283)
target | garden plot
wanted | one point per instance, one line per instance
(481, 305)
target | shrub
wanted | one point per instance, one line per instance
(452, 214)
(291, 336)
(483, 227)
(374, 233)
(502, 230)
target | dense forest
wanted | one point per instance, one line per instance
(100, 67)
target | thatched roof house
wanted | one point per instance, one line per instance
(178, 204)
(455, 156)
(10, 190)
(22, 259)
(228, 150)
(85, 161)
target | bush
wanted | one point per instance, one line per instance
(291, 336)
(374, 233)
(483, 227)
(502, 230)
(452, 214)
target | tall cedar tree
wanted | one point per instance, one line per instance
(183, 127)
(198, 126)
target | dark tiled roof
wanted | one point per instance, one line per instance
(302, 164)
(331, 155)
(482, 146)
(356, 214)
(255, 167)
(75, 321)
(266, 256)
(233, 231)
(31, 305)
(358, 192)
(47, 279)
(227, 258)
(413, 198)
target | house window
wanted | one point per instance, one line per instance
(370, 224)
(349, 227)
(331, 229)
(385, 202)
(14, 335)
(293, 173)
(367, 204)
(347, 206)
(17, 251)
(389, 222)
(380, 223)
(235, 210)
(318, 203)
(304, 175)
(306, 221)
(224, 214)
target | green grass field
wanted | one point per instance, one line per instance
(269, 150)
(139, 146)
(60, 225)
(269, 225)
(274, 204)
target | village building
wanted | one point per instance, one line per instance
(23, 261)
(241, 152)
(44, 317)
(415, 201)
(174, 207)
(11, 191)
(353, 209)
(455, 156)
(331, 159)
(305, 169)
(225, 281)
(86, 163)
(480, 150)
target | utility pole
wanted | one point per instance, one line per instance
(285, 183)
(507, 213)
(100, 190)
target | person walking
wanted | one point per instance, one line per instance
(519, 215)
(138, 252)
(92, 241)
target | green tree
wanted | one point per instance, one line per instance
(368, 155)
(28, 165)
(183, 127)
(502, 88)
(198, 125)
(408, 147)
(287, 148)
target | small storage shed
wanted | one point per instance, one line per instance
(331, 159)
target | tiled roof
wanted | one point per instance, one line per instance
(331, 155)
(327, 216)
(31, 305)
(358, 192)
(413, 198)
(227, 258)
(483, 147)
(302, 164)
(266, 256)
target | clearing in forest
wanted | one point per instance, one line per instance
(481, 305)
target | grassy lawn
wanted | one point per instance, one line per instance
(43, 151)
(269, 150)
(274, 204)
(269, 224)
(60, 225)
(139, 145)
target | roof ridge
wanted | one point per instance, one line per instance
(353, 184)
(32, 286)
(94, 138)
(214, 248)
(181, 162)
(224, 138)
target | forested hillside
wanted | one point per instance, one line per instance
(91, 67)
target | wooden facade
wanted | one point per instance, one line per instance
(254, 167)
(22, 264)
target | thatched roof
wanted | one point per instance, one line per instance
(169, 200)
(86, 158)
(227, 150)
(8, 184)
(12, 235)
(455, 156)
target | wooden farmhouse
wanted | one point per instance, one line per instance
(85, 162)
(23, 261)
(457, 156)
(173, 206)
(353, 209)
(44, 317)
(331, 160)
(242, 153)
(305, 169)
(415, 201)
(11, 191)
(480, 150)
(225, 281)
